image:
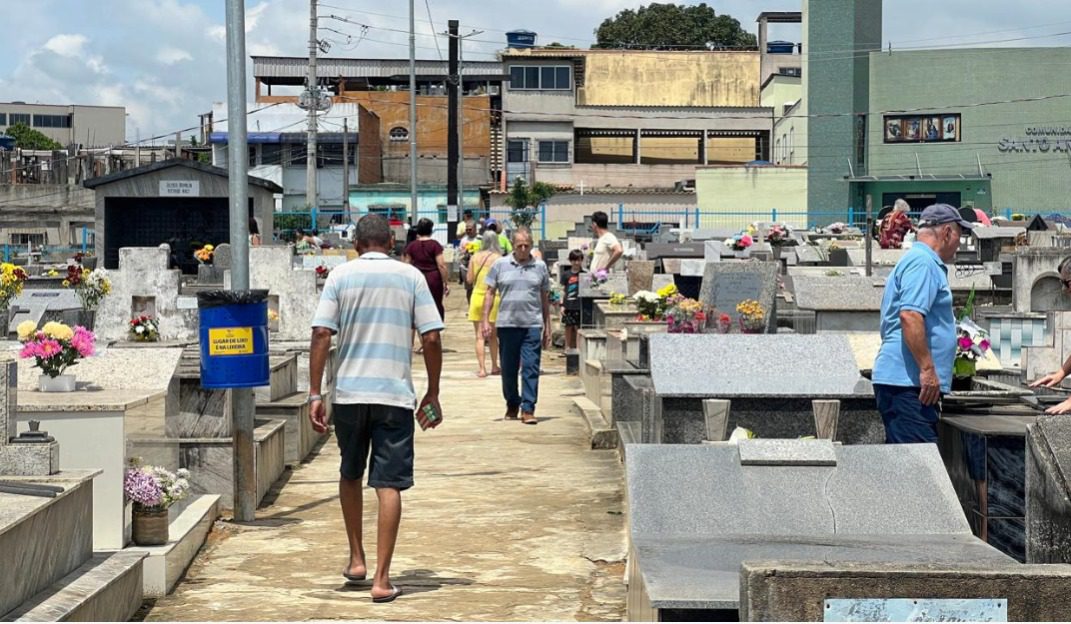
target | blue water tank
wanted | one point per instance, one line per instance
(780, 47)
(520, 39)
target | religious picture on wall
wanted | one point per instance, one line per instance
(933, 129)
(912, 128)
(893, 130)
(951, 128)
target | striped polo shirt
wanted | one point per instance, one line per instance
(522, 286)
(374, 303)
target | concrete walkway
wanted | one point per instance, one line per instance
(506, 521)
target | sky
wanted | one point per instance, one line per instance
(165, 60)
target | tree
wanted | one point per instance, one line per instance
(671, 26)
(28, 138)
(523, 199)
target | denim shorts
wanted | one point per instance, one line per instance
(383, 432)
(907, 420)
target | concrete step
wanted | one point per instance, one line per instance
(301, 438)
(107, 588)
(187, 531)
(603, 436)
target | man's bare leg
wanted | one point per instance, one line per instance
(351, 495)
(390, 517)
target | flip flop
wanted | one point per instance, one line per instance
(395, 592)
(353, 578)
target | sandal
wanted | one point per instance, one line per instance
(395, 592)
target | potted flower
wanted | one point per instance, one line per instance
(91, 287)
(204, 254)
(144, 329)
(838, 256)
(740, 244)
(322, 271)
(54, 347)
(273, 319)
(685, 316)
(972, 343)
(752, 316)
(12, 279)
(152, 490)
(648, 304)
(724, 323)
(777, 236)
(618, 299)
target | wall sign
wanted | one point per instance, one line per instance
(939, 128)
(1038, 140)
(916, 610)
(180, 188)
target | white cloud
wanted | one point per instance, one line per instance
(170, 56)
(67, 45)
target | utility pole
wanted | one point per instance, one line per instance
(346, 169)
(461, 122)
(453, 141)
(412, 113)
(242, 404)
(313, 89)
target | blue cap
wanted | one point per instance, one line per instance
(939, 214)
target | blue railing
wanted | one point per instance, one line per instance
(651, 221)
(286, 222)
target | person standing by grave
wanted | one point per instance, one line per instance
(570, 280)
(523, 323)
(918, 331)
(371, 303)
(426, 254)
(1052, 380)
(608, 249)
(479, 267)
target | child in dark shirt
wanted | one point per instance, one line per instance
(571, 298)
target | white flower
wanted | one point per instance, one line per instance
(139, 330)
(646, 296)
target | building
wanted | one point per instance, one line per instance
(619, 118)
(84, 126)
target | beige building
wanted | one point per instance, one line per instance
(87, 126)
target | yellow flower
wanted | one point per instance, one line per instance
(26, 330)
(209, 247)
(59, 331)
(53, 272)
(667, 291)
(66, 284)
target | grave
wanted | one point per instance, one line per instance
(1048, 496)
(640, 275)
(1036, 285)
(847, 303)
(142, 282)
(697, 513)
(772, 381)
(293, 293)
(726, 284)
(41, 306)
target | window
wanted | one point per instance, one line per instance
(23, 239)
(19, 118)
(52, 121)
(297, 154)
(554, 151)
(3, 119)
(517, 151)
(271, 154)
(933, 128)
(542, 77)
(399, 134)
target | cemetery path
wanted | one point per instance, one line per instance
(506, 521)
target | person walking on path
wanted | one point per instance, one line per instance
(372, 303)
(426, 254)
(480, 266)
(570, 280)
(918, 331)
(464, 256)
(608, 249)
(523, 323)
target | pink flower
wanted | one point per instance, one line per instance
(31, 349)
(984, 345)
(82, 341)
(965, 343)
(49, 348)
(746, 240)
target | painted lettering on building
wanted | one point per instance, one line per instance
(1039, 140)
(180, 188)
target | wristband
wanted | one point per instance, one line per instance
(314, 397)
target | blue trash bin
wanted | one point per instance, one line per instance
(234, 338)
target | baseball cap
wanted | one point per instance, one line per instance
(939, 214)
(489, 222)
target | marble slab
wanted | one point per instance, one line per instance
(845, 293)
(144, 368)
(764, 365)
(786, 453)
(726, 284)
(693, 268)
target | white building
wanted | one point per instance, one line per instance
(87, 126)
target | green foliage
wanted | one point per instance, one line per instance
(28, 138)
(669, 26)
(523, 199)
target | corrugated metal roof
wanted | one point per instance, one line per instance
(298, 67)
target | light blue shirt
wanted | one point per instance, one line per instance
(919, 283)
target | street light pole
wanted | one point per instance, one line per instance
(412, 113)
(314, 102)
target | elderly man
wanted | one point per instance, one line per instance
(1052, 380)
(918, 331)
(523, 323)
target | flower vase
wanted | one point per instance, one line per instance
(87, 318)
(150, 527)
(59, 383)
(963, 371)
(776, 250)
(749, 328)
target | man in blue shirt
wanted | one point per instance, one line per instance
(918, 331)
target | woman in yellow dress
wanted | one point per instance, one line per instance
(479, 267)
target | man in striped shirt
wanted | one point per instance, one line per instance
(372, 304)
(523, 323)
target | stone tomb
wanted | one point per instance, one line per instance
(771, 380)
(848, 303)
(292, 293)
(143, 282)
(697, 513)
(44, 305)
(726, 284)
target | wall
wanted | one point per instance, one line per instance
(369, 148)
(58, 211)
(968, 190)
(753, 190)
(91, 126)
(645, 78)
(392, 108)
(1023, 181)
(618, 176)
(565, 210)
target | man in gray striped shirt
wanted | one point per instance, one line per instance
(523, 323)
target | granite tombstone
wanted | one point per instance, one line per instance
(726, 284)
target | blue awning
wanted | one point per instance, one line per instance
(251, 137)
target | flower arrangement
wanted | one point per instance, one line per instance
(972, 342)
(144, 329)
(777, 234)
(323, 271)
(91, 286)
(725, 323)
(153, 488)
(752, 316)
(598, 278)
(204, 254)
(618, 299)
(52, 273)
(667, 291)
(55, 346)
(685, 316)
(649, 305)
(12, 279)
(273, 315)
(473, 247)
(740, 242)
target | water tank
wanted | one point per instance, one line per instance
(7, 143)
(780, 47)
(520, 39)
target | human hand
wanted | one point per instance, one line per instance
(433, 400)
(446, 290)
(485, 329)
(1061, 408)
(318, 416)
(1052, 380)
(931, 387)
